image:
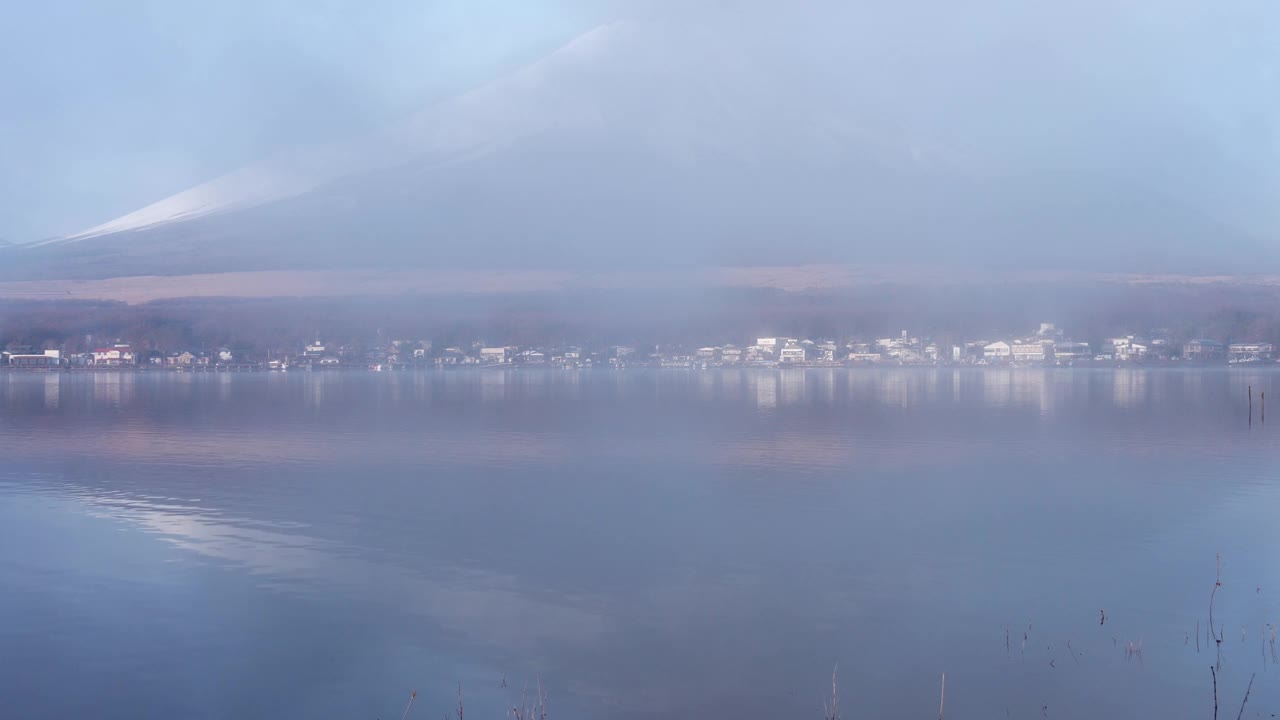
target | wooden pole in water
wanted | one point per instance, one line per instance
(1264, 407)
(1250, 404)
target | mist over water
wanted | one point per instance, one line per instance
(673, 543)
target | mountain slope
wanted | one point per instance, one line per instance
(609, 154)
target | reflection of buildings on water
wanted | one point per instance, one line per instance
(997, 388)
(314, 388)
(52, 390)
(907, 388)
(1128, 388)
(113, 388)
(493, 386)
(708, 384)
(930, 382)
(793, 383)
(731, 383)
(893, 389)
(1161, 384)
(224, 386)
(1033, 387)
(1046, 390)
(569, 382)
(766, 390)
(824, 385)
(964, 386)
(421, 387)
(861, 386)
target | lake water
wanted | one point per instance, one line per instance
(676, 544)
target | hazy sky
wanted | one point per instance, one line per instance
(109, 107)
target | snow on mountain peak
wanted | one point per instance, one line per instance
(482, 119)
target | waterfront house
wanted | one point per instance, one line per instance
(115, 356)
(452, 356)
(1202, 350)
(1072, 351)
(1250, 352)
(1128, 348)
(793, 353)
(1037, 351)
(46, 359)
(998, 350)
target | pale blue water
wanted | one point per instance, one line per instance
(678, 544)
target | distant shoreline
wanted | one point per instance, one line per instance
(861, 367)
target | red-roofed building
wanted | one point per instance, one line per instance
(117, 355)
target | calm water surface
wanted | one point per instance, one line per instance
(679, 544)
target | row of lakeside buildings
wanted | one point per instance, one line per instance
(1046, 346)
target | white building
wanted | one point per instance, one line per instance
(119, 354)
(998, 350)
(1250, 352)
(1031, 351)
(1072, 351)
(495, 355)
(1201, 350)
(1128, 348)
(48, 358)
(793, 353)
